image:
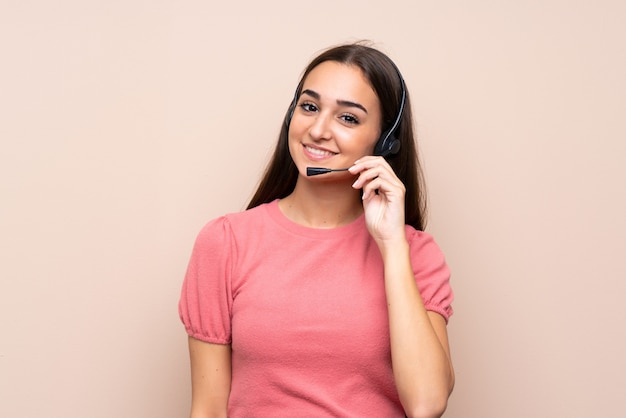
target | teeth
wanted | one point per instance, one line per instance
(319, 152)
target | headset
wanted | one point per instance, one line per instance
(388, 143)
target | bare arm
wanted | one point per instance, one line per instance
(420, 353)
(210, 379)
(419, 342)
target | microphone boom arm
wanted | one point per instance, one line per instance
(314, 171)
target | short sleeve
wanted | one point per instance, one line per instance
(431, 274)
(206, 300)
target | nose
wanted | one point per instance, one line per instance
(321, 128)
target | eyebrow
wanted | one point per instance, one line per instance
(347, 103)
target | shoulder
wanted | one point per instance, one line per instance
(233, 226)
(425, 252)
(431, 271)
(420, 239)
(236, 219)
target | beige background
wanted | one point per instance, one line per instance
(125, 125)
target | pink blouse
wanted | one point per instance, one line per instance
(304, 310)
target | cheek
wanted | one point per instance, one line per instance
(293, 142)
(375, 139)
(367, 142)
(297, 131)
(293, 130)
(292, 135)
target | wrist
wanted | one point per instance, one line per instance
(392, 247)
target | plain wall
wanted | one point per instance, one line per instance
(126, 125)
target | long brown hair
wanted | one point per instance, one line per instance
(280, 176)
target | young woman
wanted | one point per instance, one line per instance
(325, 298)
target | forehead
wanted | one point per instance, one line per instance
(340, 81)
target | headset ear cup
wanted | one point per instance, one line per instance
(387, 144)
(379, 148)
(394, 145)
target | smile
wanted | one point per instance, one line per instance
(319, 152)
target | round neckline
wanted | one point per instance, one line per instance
(322, 233)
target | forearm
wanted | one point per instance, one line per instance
(422, 369)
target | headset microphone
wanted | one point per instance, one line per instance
(314, 171)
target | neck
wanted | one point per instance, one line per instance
(322, 204)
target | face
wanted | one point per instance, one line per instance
(336, 120)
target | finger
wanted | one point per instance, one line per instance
(388, 188)
(367, 163)
(375, 171)
(371, 189)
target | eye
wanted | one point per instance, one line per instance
(308, 107)
(349, 118)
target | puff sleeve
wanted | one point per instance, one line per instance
(206, 300)
(431, 274)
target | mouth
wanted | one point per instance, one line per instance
(318, 153)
